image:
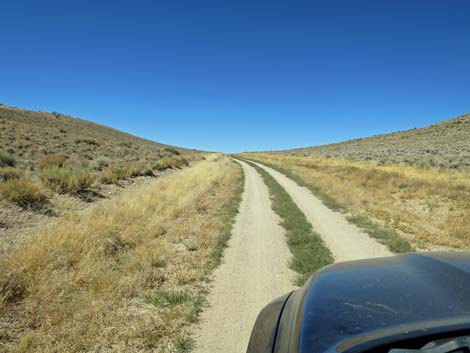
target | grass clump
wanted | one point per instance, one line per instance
(183, 344)
(158, 263)
(66, 179)
(168, 298)
(51, 160)
(6, 160)
(22, 193)
(386, 236)
(141, 169)
(116, 172)
(307, 248)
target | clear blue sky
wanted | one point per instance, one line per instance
(239, 75)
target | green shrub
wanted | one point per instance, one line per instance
(51, 160)
(181, 162)
(168, 163)
(87, 141)
(168, 298)
(22, 193)
(6, 160)
(386, 236)
(66, 180)
(162, 164)
(172, 150)
(158, 263)
(107, 177)
(183, 344)
(8, 173)
(116, 172)
(101, 163)
(141, 170)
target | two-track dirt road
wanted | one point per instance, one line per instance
(255, 266)
(345, 240)
(254, 272)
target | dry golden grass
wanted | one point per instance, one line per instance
(22, 192)
(124, 276)
(429, 207)
(51, 160)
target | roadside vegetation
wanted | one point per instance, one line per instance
(404, 207)
(309, 253)
(52, 164)
(68, 155)
(56, 173)
(125, 276)
(22, 193)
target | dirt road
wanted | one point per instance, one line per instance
(254, 271)
(345, 240)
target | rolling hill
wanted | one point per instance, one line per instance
(445, 144)
(52, 164)
(27, 135)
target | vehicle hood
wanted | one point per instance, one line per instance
(351, 305)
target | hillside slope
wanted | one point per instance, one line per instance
(445, 144)
(28, 135)
(52, 164)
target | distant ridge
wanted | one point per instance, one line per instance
(445, 144)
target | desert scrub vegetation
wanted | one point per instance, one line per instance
(125, 276)
(6, 160)
(309, 253)
(22, 193)
(26, 136)
(444, 145)
(51, 160)
(116, 172)
(172, 150)
(66, 179)
(113, 173)
(168, 163)
(8, 173)
(428, 207)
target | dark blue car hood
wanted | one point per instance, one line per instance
(353, 305)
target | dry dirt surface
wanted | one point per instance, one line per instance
(254, 272)
(345, 240)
